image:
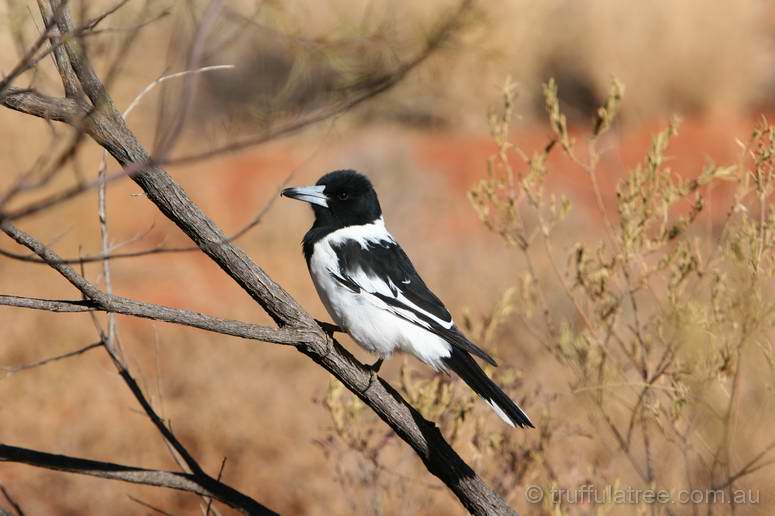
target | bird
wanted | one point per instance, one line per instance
(373, 292)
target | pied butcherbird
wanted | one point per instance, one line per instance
(372, 291)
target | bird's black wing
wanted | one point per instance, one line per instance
(383, 270)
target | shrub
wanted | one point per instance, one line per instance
(648, 337)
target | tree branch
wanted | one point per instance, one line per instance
(49, 305)
(36, 104)
(69, 80)
(191, 483)
(77, 59)
(124, 306)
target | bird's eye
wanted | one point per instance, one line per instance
(342, 196)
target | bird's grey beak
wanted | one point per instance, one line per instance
(310, 194)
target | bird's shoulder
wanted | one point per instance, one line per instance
(371, 259)
(345, 239)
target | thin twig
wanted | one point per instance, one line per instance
(111, 336)
(11, 370)
(14, 504)
(165, 78)
(220, 474)
(149, 506)
(192, 464)
(375, 88)
(166, 143)
(32, 258)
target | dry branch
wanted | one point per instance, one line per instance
(43, 106)
(169, 479)
(40, 363)
(124, 306)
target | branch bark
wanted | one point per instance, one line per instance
(125, 306)
(37, 104)
(170, 479)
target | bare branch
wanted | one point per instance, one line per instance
(112, 350)
(32, 258)
(49, 305)
(204, 486)
(11, 370)
(149, 506)
(210, 500)
(27, 60)
(69, 80)
(102, 16)
(167, 142)
(165, 78)
(27, 181)
(72, 191)
(374, 88)
(111, 340)
(124, 306)
(87, 78)
(113, 347)
(30, 58)
(36, 104)
(159, 424)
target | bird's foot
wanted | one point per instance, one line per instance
(329, 328)
(375, 367)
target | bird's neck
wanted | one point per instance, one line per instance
(321, 229)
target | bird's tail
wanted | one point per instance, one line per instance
(467, 368)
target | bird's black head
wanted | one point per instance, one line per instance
(339, 199)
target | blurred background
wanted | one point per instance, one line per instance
(425, 142)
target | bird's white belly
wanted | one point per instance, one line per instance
(366, 318)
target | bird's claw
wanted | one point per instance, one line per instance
(329, 328)
(375, 367)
